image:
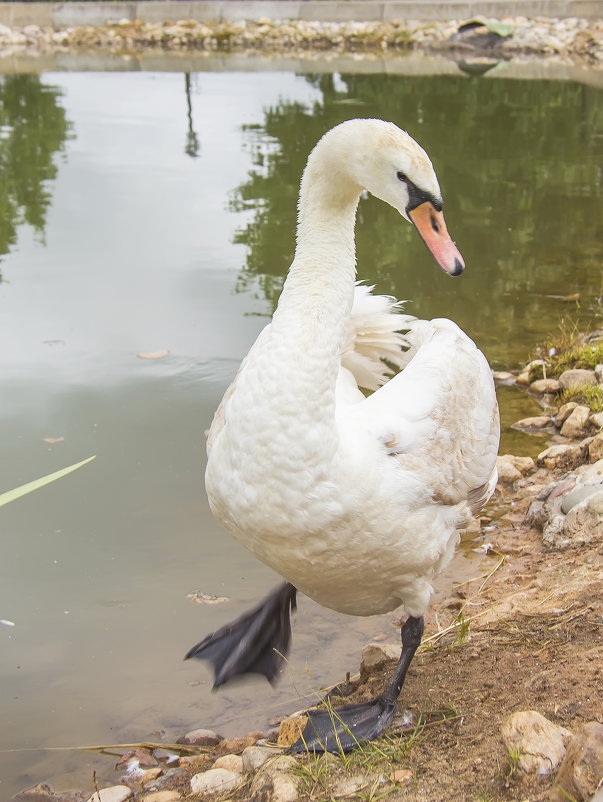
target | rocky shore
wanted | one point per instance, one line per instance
(503, 701)
(571, 40)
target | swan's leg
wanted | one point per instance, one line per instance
(342, 729)
(256, 642)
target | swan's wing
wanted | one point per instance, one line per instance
(374, 343)
(438, 418)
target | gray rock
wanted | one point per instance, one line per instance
(539, 744)
(503, 377)
(576, 422)
(507, 472)
(116, 793)
(577, 377)
(276, 781)
(230, 762)
(162, 796)
(350, 786)
(599, 373)
(541, 386)
(582, 768)
(255, 756)
(377, 654)
(564, 412)
(595, 449)
(582, 525)
(200, 737)
(563, 456)
(535, 423)
(597, 419)
(165, 779)
(215, 781)
(577, 495)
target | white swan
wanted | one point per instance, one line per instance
(355, 501)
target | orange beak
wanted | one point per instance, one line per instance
(432, 227)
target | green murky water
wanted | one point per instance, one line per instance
(150, 211)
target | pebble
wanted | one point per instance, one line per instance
(511, 468)
(503, 377)
(595, 449)
(149, 775)
(377, 654)
(597, 419)
(576, 423)
(578, 495)
(541, 386)
(215, 781)
(564, 39)
(194, 761)
(254, 757)
(563, 456)
(536, 422)
(200, 737)
(116, 793)
(239, 744)
(231, 763)
(582, 767)
(564, 412)
(162, 796)
(277, 781)
(350, 786)
(540, 743)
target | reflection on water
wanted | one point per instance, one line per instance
(33, 129)
(520, 168)
(125, 244)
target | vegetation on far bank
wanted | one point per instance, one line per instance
(570, 349)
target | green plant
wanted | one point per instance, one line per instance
(462, 631)
(12, 495)
(513, 755)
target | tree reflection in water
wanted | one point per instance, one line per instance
(519, 164)
(33, 129)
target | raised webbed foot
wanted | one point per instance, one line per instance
(256, 642)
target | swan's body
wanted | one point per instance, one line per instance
(356, 501)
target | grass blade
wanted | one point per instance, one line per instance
(11, 495)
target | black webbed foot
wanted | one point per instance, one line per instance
(255, 643)
(344, 728)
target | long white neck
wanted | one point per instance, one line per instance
(314, 308)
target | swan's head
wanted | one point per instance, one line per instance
(386, 161)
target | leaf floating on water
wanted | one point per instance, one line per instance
(53, 440)
(206, 598)
(153, 354)
(11, 495)
(5, 622)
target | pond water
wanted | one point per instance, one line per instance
(144, 212)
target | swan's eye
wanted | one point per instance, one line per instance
(401, 176)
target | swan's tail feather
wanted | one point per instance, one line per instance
(375, 347)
